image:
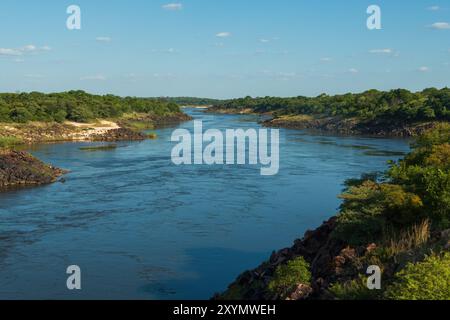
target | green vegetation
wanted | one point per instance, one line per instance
(415, 189)
(9, 142)
(399, 212)
(355, 289)
(288, 277)
(77, 106)
(427, 280)
(396, 106)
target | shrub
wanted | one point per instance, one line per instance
(353, 290)
(288, 277)
(427, 280)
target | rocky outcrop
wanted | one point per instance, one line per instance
(317, 247)
(120, 134)
(18, 168)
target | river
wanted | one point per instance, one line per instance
(140, 227)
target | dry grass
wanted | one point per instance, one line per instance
(413, 237)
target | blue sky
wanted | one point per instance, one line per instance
(223, 48)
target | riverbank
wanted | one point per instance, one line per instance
(351, 126)
(127, 127)
(335, 125)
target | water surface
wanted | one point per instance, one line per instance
(142, 228)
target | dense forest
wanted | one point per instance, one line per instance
(400, 104)
(76, 106)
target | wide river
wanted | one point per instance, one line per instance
(140, 227)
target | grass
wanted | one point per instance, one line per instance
(409, 239)
(10, 142)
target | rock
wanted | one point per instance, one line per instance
(121, 134)
(21, 168)
(318, 249)
(302, 292)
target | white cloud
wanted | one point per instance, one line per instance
(264, 40)
(326, 59)
(441, 26)
(353, 70)
(223, 34)
(10, 52)
(434, 8)
(424, 69)
(381, 51)
(28, 49)
(173, 6)
(97, 77)
(103, 39)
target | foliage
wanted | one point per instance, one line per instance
(415, 189)
(355, 289)
(287, 277)
(393, 106)
(408, 239)
(76, 106)
(427, 280)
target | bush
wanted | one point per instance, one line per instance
(288, 277)
(353, 290)
(427, 280)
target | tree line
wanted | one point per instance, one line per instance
(400, 104)
(77, 106)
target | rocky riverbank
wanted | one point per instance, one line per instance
(19, 168)
(351, 126)
(330, 261)
(336, 125)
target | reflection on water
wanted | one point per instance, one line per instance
(141, 227)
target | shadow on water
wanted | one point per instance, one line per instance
(208, 268)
